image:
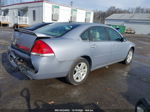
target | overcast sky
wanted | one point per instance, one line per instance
(105, 4)
(102, 4)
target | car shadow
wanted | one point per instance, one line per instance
(138, 82)
(41, 106)
(10, 70)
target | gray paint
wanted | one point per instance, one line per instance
(69, 48)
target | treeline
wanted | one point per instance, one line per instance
(99, 16)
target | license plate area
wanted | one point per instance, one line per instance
(23, 65)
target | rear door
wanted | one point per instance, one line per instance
(118, 45)
(100, 46)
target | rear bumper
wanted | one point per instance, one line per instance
(43, 67)
(21, 67)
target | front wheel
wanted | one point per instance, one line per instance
(129, 57)
(78, 72)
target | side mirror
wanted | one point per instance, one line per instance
(143, 105)
(122, 39)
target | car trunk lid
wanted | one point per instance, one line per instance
(24, 40)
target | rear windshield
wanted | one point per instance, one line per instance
(57, 29)
(36, 26)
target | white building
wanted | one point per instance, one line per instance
(138, 22)
(29, 13)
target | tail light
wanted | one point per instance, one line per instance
(42, 49)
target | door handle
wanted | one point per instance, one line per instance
(93, 46)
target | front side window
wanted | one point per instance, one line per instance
(114, 35)
(57, 29)
(98, 34)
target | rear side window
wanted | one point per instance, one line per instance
(114, 35)
(85, 35)
(57, 29)
(98, 34)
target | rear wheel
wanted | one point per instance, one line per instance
(129, 57)
(78, 72)
(141, 108)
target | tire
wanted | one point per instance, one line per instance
(141, 108)
(129, 57)
(77, 75)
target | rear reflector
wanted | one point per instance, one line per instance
(23, 47)
(41, 48)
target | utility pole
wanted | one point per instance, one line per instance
(71, 4)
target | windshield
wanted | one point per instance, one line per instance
(57, 29)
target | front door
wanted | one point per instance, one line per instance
(118, 45)
(100, 46)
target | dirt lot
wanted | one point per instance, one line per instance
(113, 89)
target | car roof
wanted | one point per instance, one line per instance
(81, 23)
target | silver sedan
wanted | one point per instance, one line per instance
(68, 50)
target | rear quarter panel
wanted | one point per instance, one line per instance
(68, 49)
